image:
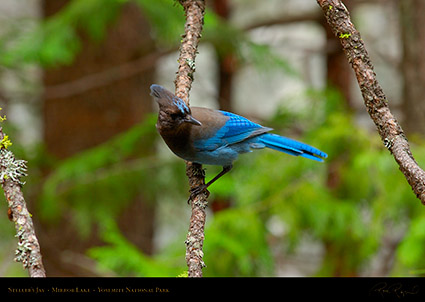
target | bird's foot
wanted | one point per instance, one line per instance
(199, 172)
(198, 190)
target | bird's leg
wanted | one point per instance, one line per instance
(203, 188)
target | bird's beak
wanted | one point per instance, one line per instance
(191, 120)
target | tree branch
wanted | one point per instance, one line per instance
(28, 251)
(284, 20)
(105, 77)
(374, 98)
(194, 12)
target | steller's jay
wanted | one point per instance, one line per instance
(215, 137)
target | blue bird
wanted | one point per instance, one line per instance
(215, 137)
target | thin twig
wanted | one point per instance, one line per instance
(28, 251)
(194, 12)
(374, 98)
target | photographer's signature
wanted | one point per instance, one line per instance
(396, 289)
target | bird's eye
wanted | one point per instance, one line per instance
(174, 115)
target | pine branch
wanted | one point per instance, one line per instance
(194, 12)
(374, 98)
(28, 251)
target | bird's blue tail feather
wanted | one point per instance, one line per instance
(290, 146)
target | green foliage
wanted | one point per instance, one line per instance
(166, 19)
(80, 180)
(236, 245)
(123, 258)
(56, 40)
(228, 39)
(412, 248)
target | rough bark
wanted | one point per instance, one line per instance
(374, 98)
(28, 251)
(194, 12)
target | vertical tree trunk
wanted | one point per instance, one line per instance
(77, 121)
(226, 63)
(338, 74)
(413, 66)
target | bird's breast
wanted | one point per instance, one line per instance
(178, 140)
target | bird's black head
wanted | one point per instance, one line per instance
(173, 111)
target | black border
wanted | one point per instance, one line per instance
(374, 289)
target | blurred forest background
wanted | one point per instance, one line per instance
(109, 199)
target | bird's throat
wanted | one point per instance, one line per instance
(177, 139)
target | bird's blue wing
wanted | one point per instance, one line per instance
(238, 128)
(235, 130)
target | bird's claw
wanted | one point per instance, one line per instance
(196, 191)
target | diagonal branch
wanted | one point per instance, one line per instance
(28, 251)
(374, 98)
(194, 12)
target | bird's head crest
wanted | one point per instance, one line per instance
(172, 105)
(167, 99)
